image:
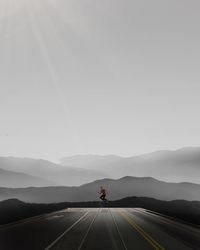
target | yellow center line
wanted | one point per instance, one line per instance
(146, 236)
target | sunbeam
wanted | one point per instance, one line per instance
(33, 9)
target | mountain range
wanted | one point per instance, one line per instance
(14, 179)
(117, 189)
(90, 161)
(26, 172)
(182, 165)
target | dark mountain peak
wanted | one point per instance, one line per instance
(99, 182)
(125, 178)
(11, 202)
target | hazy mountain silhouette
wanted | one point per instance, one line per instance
(127, 186)
(89, 161)
(182, 165)
(14, 179)
(54, 173)
(176, 166)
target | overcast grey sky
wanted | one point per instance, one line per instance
(90, 76)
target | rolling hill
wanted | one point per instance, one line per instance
(120, 188)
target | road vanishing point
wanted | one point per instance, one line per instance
(99, 229)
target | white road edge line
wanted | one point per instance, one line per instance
(66, 231)
(88, 230)
(171, 220)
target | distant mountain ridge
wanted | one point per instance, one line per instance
(15, 179)
(182, 165)
(117, 189)
(52, 173)
(89, 161)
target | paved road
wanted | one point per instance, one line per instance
(99, 229)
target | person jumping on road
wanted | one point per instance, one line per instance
(103, 193)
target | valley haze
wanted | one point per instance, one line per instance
(164, 175)
(182, 165)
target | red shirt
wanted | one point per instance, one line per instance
(103, 191)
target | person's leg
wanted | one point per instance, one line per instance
(102, 197)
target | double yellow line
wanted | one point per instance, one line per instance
(146, 236)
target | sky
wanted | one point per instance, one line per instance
(98, 77)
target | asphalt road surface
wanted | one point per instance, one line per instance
(99, 229)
